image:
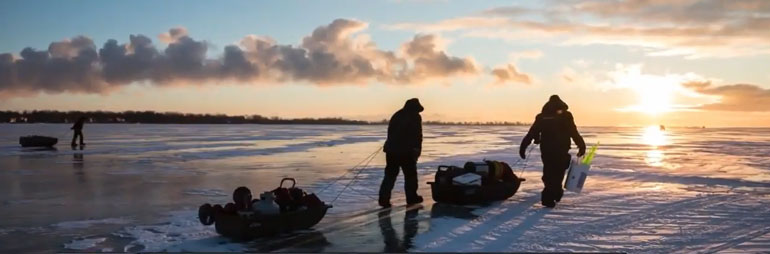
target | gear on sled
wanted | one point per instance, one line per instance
(474, 183)
(281, 210)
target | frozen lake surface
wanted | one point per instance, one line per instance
(137, 188)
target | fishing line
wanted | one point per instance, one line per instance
(64, 134)
(526, 157)
(355, 177)
(361, 169)
(350, 170)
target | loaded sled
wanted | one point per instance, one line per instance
(279, 211)
(37, 141)
(474, 183)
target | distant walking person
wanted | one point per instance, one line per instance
(553, 129)
(402, 148)
(78, 128)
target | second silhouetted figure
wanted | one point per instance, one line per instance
(78, 128)
(553, 129)
(402, 149)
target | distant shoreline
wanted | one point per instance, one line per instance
(151, 117)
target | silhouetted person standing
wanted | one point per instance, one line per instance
(553, 129)
(78, 129)
(402, 149)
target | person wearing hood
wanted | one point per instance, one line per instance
(553, 128)
(402, 149)
(78, 129)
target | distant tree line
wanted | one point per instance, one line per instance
(152, 117)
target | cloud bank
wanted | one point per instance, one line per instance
(737, 97)
(690, 28)
(332, 54)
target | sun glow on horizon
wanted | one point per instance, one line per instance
(655, 93)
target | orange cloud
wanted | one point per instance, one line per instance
(509, 73)
(708, 28)
(737, 97)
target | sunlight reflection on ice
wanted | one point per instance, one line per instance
(655, 137)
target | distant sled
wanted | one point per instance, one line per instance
(498, 182)
(37, 141)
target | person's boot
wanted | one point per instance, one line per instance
(415, 200)
(547, 198)
(384, 202)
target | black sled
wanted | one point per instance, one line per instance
(238, 221)
(498, 183)
(37, 141)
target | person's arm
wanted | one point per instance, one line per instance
(418, 135)
(386, 146)
(575, 135)
(533, 133)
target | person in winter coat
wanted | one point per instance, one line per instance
(78, 128)
(402, 148)
(553, 128)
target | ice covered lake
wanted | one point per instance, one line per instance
(137, 188)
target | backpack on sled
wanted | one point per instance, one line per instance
(474, 183)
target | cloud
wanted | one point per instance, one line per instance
(430, 61)
(454, 24)
(706, 28)
(737, 97)
(173, 34)
(332, 54)
(509, 73)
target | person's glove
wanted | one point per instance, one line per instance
(581, 151)
(523, 152)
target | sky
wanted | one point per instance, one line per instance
(615, 63)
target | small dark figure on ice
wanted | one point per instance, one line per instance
(553, 129)
(402, 149)
(78, 129)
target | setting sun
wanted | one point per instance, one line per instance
(654, 93)
(654, 99)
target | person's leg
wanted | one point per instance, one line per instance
(548, 195)
(555, 165)
(558, 178)
(409, 166)
(80, 133)
(391, 172)
(74, 138)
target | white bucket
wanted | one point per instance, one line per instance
(578, 172)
